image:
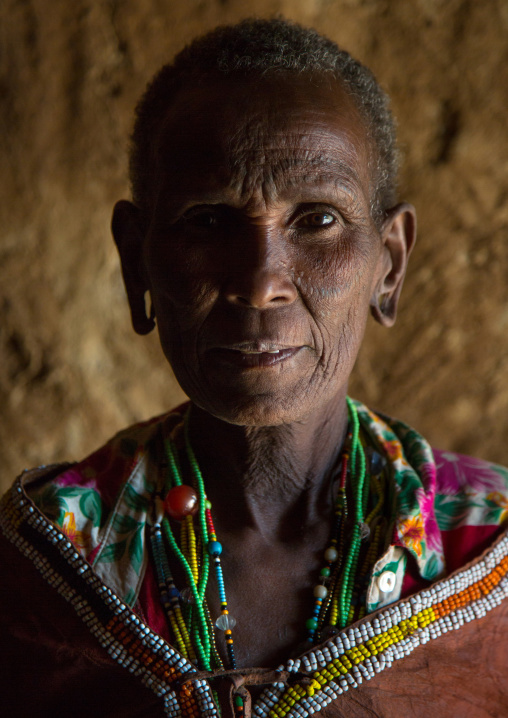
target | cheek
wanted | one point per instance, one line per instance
(334, 283)
(182, 286)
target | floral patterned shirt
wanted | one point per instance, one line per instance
(448, 508)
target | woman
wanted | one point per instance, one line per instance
(273, 521)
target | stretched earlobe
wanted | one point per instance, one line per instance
(141, 322)
(384, 309)
(128, 236)
(398, 234)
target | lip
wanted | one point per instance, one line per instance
(253, 355)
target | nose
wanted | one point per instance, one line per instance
(259, 274)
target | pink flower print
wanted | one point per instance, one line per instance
(432, 532)
(457, 473)
(85, 476)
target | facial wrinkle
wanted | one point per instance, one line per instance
(331, 291)
(284, 158)
(297, 156)
(274, 176)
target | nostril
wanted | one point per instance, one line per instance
(259, 299)
(260, 289)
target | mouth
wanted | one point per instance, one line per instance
(258, 355)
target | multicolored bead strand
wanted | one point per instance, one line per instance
(196, 568)
(342, 600)
(238, 704)
(225, 622)
(338, 593)
(358, 607)
(168, 592)
(198, 627)
(354, 549)
(336, 552)
(195, 554)
(331, 556)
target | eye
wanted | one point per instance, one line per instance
(316, 219)
(202, 217)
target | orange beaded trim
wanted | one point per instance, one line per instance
(116, 627)
(370, 646)
(342, 663)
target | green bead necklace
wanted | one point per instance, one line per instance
(337, 596)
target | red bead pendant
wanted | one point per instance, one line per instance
(181, 501)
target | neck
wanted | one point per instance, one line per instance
(275, 479)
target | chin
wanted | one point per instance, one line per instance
(255, 411)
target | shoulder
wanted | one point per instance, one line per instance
(471, 504)
(478, 487)
(106, 469)
(99, 504)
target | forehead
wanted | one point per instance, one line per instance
(272, 133)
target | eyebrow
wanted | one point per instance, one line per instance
(319, 173)
(311, 161)
(311, 170)
(319, 161)
(343, 177)
(319, 169)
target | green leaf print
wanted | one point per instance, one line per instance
(51, 504)
(91, 506)
(136, 550)
(494, 516)
(130, 597)
(500, 470)
(391, 566)
(407, 500)
(431, 568)
(113, 552)
(491, 504)
(125, 524)
(71, 491)
(452, 510)
(134, 500)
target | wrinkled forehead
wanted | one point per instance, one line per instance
(271, 133)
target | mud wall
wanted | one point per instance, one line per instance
(71, 370)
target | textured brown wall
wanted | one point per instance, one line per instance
(71, 370)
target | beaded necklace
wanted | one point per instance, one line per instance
(338, 595)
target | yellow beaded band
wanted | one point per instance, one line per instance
(346, 665)
(113, 624)
(341, 664)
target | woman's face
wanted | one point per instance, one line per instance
(261, 254)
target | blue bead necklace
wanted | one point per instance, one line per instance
(335, 595)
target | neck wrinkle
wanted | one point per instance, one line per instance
(265, 478)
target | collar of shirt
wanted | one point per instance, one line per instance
(103, 503)
(415, 530)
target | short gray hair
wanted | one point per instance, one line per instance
(260, 47)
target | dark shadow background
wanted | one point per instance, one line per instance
(71, 370)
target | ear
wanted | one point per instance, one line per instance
(398, 234)
(128, 235)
